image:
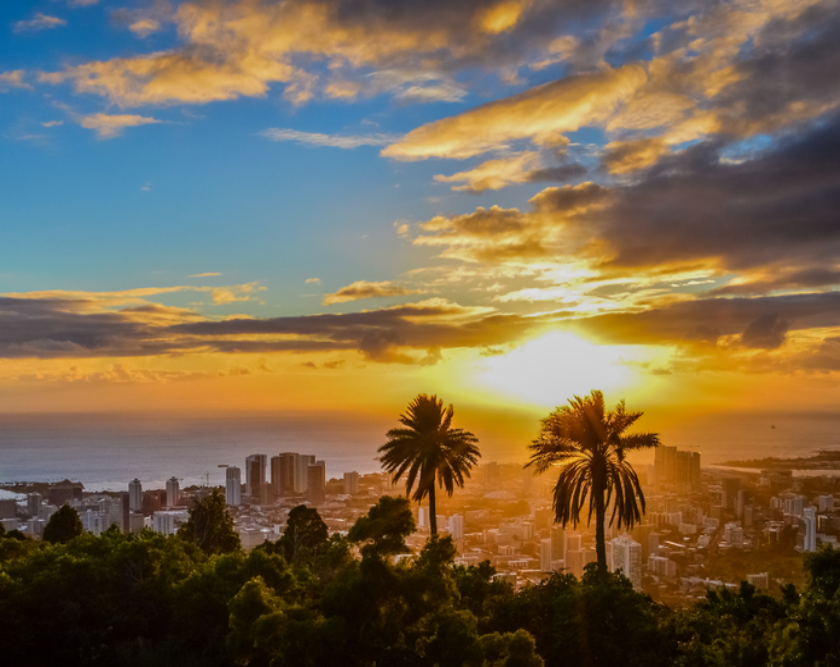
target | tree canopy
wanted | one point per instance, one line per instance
(429, 451)
(589, 445)
(209, 526)
(63, 526)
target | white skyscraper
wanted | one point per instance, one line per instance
(173, 492)
(164, 523)
(456, 527)
(233, 486)
(627, 557)
(135, 495)
(809, 517)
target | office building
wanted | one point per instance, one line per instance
(173, 492)
(33, 504)
(675, 468)
(545, 555)
(302, 463)
(233, 486)
(456, 527)
(351, 483)
(316, 483)
(558, 542)
(8, 508)
(255, 477)
(794, 506)
(164, 523)
(627, 557)
(135, 495)
(809, 518)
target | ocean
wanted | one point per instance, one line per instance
(106, 451)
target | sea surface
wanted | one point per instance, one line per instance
(106, 451)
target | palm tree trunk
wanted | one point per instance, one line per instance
(432, 510)
(600, 541)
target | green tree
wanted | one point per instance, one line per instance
(386, 526)
(305, 529)
(429, 450)
(210, 526)
(63, 526)
(590, 447)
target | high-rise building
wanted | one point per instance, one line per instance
(316, 483)
(456, 527)
(302, 463)
(422, 517)
(687, 471)
(809, 517)
(795, 505)
(135, 495)
(284, 474)
(673, 467)
(558, 542)
(575, 561)
(33, 504)
(627, 557)
(233, 486)
(663, 464)
(255, 469)
(825, 503)
(8, 508)
(545, 555)
(173, 492)
(351, 483)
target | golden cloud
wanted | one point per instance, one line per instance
(494, 174)
(110, 126)
(362, 289)
(542, 114)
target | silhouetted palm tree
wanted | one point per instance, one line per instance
(429, 449)
(589, 446)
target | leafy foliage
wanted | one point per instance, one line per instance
(210, 527)
(145, 599)
(63, 526)
(429, 450)
(590, 447)
(386, 526)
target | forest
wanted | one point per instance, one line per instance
(311, 599)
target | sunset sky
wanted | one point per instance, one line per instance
(315, 205)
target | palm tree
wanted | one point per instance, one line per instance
(428, 449)
(589, 446)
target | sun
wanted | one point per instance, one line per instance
(548, 370)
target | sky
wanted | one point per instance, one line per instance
(330, 206)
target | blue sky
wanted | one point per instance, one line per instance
(453, 178)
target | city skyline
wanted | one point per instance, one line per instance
(315, 206)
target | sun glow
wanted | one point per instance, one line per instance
(552, 368)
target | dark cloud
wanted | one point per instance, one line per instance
(792, 65)
(767, 332)
(781, 206)
(709, 319)
(67, 329)
(817, 277)
(561, 174)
